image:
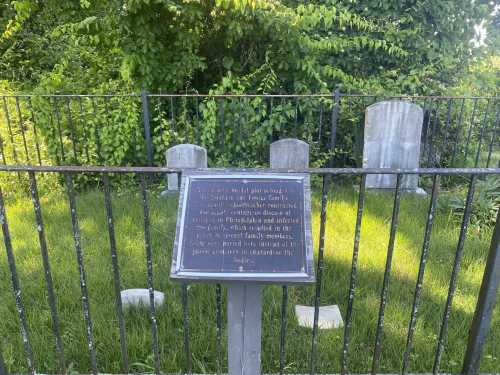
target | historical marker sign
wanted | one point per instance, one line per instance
(243, 227)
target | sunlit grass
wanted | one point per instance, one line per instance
(338, 254)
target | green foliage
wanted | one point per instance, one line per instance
(411, 47)
(485, 204)
(234, 46)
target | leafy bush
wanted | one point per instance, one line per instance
(485, 204)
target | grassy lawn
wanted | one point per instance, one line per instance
(339, 241)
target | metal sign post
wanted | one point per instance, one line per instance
(245, 230)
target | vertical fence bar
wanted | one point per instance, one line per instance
(333, 130)
(53, 130)
(9, 129)
(235, 121)
(240, 118)
(16, 287)
(426, 128)
(354, 267)
(51, 298)
(296, 119)
(269, 117)
(218, 302)
(96, 132)
(387, 274)
(469, 133)
(2, 150)
(221, 123)
(284, 303)
(149, 264)
(481, 133)
(493, 138)
(81, 271)
(147, 128)
(319, 273)
(71, 128)
(21, 127)
(484, 307)
(185, 323)
(58, 123)
(116, 271)
(197, 128)
(431, 156)
(457, 139)
(420, 276)
(172, 111)
(320, 127)
(448, 121)
(35, 132)
(454, 274)
(84, 130)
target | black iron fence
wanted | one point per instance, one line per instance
(478, 329)
(136, 129)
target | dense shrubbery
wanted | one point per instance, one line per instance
(260, 46)
(232, 46)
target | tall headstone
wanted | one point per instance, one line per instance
(184, 156)
(392, 140)
(289, 153)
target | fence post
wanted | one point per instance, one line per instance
(484, 308)
(147, 129)
(333, 131)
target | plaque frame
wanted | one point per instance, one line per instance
(281, 278)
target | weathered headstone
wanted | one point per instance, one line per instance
(289, 153)
(244, 229)
(184, 156)
(392, 140)
(292, 153)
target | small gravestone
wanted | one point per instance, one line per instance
(244, 229)
(294, 154)
(392, 140)
(289, 153)
(140, 297)
(184, 156)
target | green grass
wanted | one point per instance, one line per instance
(338, 253)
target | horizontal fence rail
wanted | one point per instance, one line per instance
(67, 175)
(236, 129)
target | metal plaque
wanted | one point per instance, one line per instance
(243, 227)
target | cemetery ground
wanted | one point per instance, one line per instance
(340, 225)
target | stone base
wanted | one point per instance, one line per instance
(140, 297)
(329, 316)
(169, 193)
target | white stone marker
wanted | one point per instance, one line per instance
(329, 316)
(184, 156)
(140, 297)
(392, 140)
(292, 153)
